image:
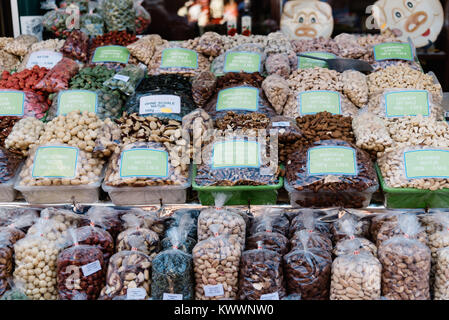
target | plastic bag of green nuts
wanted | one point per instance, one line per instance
(55, 21)
(127, 79)
(173, 269)
(119, 15)
(16, 292)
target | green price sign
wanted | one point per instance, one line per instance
(77, 100)
(431, 163)
(116, 54)
(179, 58)
(12, 103)
(331, 160)
(305, 63)
(55, 162)
(142, 162)
(312, 102)
(407, 103)
(238, 98)
(236, 154)
(242, 61)
(393, 51)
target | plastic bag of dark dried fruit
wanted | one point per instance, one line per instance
(175, 219)
(172, 273)
(203, 87)
(76, 46)
(237, 160)
(107, 219)
(405, 263)
(135, 228)
(81, 270)
(305, 217)
(271, 220)
(93, 236)
(330, 173)
(185, 225)
(261, 275)
(249, 58)
(129, 275)
(315, 240)
(58, 77)
(308, 271)
(348, 228)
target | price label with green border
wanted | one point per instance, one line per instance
(142, 162)
(179, 58)
(242, 61)
(407, 103)
(236, 154)
(312, 102)
(431, 163)
(116, 54)
(77, 100)
(305, 63)
(393, 51)
(238, 98)
(12, 103)
(55, 162)
(332, 160)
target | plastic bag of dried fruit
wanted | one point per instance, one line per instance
(388, 104)
(222, 251)
(277, 91)
(307, 217)
(59, 76)
(172, 272)
(81, 270)
(226, 221)
(248, 58)
(405, 263)
(348, 227)
(203, 87)
(315, 178)
(308, 271)
(97, 237)
(237, 160)
(6, 261)
(135, 228)
(356, 275)
(129, 274)
(261, 275)
(172, 58)
(184, 227)
(399, 167)
(271, 220)
(107, 219)
(16, 291)
(143, 17)
(44, 245)
(76, 46)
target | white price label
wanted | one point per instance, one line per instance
(164, 103)
(44, 59)
(121, 77)
(270, 296)
(91, 268)
(213, 290)
(172, 296)
(136, 294)
(281, 124)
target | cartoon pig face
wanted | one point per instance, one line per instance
(421, 20)
(307, 19)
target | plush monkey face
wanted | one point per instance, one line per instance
(421, 20)
(307, 19)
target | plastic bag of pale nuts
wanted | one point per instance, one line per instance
(277, 92)
(203, 86)
(398, 167)
(81, 270)
(308, 271)
(278, 64)
(405, 263)
(388, 104)
(227, 221)
(180, 233)
(6, 261)
(249, 58)
(129, 275)
(20, 45)
(107, 219)
(439, 239)
(172, 272)
(370, 132)
(355, 87)
(261, 275)
(135, 228)
(36, 258)
(76, 46)
(222, 253)
(58, 77)
(348, 228)
(441, 270)
(356, 275)
(97, 237)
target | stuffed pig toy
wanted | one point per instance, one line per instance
(307, 19)
(421, 20)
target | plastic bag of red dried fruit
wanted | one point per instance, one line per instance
(59, 76)
(22, 104)
(81, 271)
(107, 219)
(330, 173)
(143, 17)
(99, 238)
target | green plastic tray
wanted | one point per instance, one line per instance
(409, 198)
(240, 195)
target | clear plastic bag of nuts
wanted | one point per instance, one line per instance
(87, 170)
(255, 167)
(203, 86)
(310, 218)
(135, 228)
(36, 258)
(393, 168)
(6, 261)
(349, 227)
(81, 270)
(357, 218)
(356, 275)
(172, 271)
(216, 264)
(277, 92)
(271, 220)
(405, 263)
(308, 271)
(180, 234)
(128, 271)
(391, 229)
(93, 236)
(439, 239)
(441, 270)
(261, 274)
(380, 101)
(105, 218)
(315, 240)
(226, 221)
(177, 172)
(150, 219)
(62, 220)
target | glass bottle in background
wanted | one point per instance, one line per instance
(246, 20)
(231, 13)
